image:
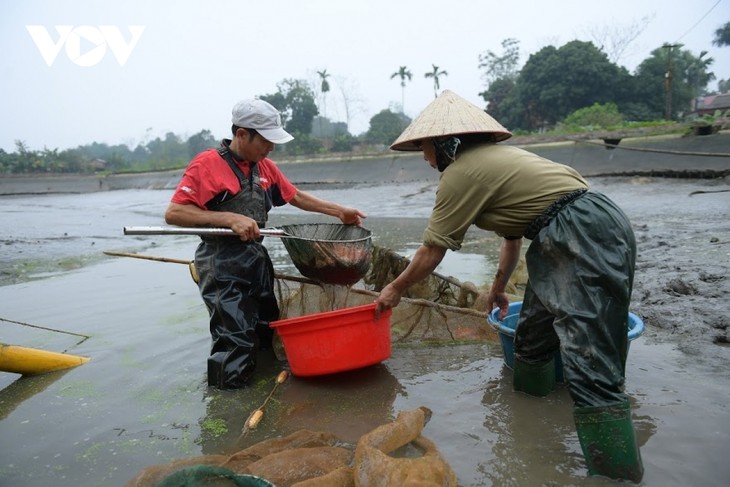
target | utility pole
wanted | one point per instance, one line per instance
(668, 80)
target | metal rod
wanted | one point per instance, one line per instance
(269, 232)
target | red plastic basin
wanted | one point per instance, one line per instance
(335, 341)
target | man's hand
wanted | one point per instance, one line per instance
(509, 256)
(246, 228)
(308, 202)
(498, 300)
(352, 216)
(389, 298)
(191, 216)
(426, 259)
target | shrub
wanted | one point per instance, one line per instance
(595, 116)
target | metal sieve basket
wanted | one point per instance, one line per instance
(331, 253)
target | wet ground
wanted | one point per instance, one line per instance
(142, 398)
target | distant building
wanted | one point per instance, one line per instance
(708, 105)
(97, 165)
(323, 128)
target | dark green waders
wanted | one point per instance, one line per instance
(534, 379)
(608, 441)
(581, 270)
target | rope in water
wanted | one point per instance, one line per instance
(255, 417)
(44, 328)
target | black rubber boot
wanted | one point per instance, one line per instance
(608, 441)
(231, 369)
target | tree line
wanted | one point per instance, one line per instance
(577, 83)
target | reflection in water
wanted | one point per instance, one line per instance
(228, 410)
(348, 405)
(24, 388)
(535, 437)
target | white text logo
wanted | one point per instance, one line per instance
(85, 45)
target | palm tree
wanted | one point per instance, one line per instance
(722, 36)
(324, 88)
(435, 75)
(402, 73)
(698, 73)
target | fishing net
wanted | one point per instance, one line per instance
(328, 252)
(439, 309)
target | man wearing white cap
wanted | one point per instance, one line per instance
(580, 264)
(234, 187)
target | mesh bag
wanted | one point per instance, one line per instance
(437, 310)
(328, 252)
(415, 321)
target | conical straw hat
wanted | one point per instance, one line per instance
(449, 114)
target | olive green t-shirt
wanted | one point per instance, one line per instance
(495, 187)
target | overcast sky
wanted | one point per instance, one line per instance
(187, 62)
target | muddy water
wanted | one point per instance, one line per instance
(142, 399)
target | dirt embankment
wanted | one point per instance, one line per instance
(658, 156)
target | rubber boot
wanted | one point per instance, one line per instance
(608, 441)
(231, 369)
(534, 379)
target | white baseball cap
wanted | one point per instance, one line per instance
(263, 117)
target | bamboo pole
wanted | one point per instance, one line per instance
(304, 280)
(149, 257)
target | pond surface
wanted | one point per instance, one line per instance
(143, 399)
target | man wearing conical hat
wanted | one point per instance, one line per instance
(580, 263)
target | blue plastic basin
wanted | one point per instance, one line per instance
(506, 329)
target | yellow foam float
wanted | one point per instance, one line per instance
(32, 361)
